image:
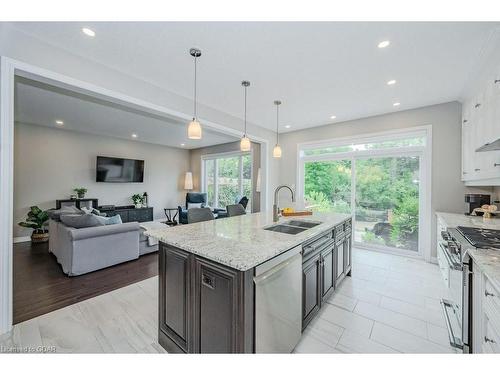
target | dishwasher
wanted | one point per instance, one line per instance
(278, 303)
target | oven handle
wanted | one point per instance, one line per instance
(455, 342)
(451, 263)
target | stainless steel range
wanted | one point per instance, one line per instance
(456, 267)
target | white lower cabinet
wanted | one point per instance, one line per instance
(486, 315)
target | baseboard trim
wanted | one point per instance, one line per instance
(22, 239)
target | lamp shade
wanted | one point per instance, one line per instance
(245, 144)
(188, 181)
(194, 130)
(277, 151)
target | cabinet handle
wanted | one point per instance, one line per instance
(477, 169)
(496, 165)
(488, 294)
(497, 80)
(465, 121)
(477, 105)
(486, 339)
(208, 281)
(464, 172)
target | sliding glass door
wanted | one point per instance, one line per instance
(387, 202)
(378, 181)
(226, 178)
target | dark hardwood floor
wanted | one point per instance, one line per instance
(40, 286)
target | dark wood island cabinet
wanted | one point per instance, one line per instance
(208, 307)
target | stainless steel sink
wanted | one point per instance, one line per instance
(288, 229)
(302, 223)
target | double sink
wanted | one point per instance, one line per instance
(293, 226)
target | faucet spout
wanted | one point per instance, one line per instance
(275, 205)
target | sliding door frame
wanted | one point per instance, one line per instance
(425, 176)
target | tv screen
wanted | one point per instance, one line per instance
(119, 170)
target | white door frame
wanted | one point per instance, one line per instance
(425, 154)
(9, 68)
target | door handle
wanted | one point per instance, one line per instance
(486, 339)
(208, 281)
(488, 294)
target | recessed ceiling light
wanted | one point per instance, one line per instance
(59, 122)
(88, 31)
(134, 135)
(397, 104)
(333, 117)
(384, 44)
(288, 126)
(391, 82)
(183, 144)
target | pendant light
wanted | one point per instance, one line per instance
(194, 127)
(277, 148)
(245, 144)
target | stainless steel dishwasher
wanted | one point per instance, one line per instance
(278, 303)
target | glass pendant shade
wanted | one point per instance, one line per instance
(194, 130)
(277, 151)
(245, 144)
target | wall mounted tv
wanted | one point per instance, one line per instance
(119, 170)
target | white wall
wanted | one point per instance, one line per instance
(447, 188)
(49, 163)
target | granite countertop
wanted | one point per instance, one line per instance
(241, 242)
(455, 220)
(488, 262)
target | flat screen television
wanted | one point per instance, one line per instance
(119, 170)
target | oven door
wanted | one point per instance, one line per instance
(452, 307)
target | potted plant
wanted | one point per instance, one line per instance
(138, 200)
(80, 192)
(37, 219)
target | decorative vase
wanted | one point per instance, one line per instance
(81, 195)
(39, 236)
(138, 205)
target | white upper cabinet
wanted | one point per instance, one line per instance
(481, 125)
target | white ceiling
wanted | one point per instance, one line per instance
(40, 104)
(316, 69)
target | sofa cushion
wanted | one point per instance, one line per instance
(117, 219)
(66, 210)
(194, 205)
(81, 221)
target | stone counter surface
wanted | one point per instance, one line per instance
(455, 220)
(241, 242)
(488, 262)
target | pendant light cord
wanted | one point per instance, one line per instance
(245, 111)
(195, 115)
(277, 122)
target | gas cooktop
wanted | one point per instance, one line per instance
(481, 238)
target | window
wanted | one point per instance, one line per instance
(226, 178)
(381, 180)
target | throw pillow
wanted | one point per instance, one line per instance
(81, 221)
(117, 219)
(194, 205)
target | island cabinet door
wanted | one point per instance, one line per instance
(174, 302)
(223, 309)
(327, 272)
(348, 254)
(311, 288)
(340, 264)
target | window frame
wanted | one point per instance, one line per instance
(424, 152)
(223, 155)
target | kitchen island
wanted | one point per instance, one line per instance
(245, 284)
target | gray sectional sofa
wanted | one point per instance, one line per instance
(85, 250)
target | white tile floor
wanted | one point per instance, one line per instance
(390, 305)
